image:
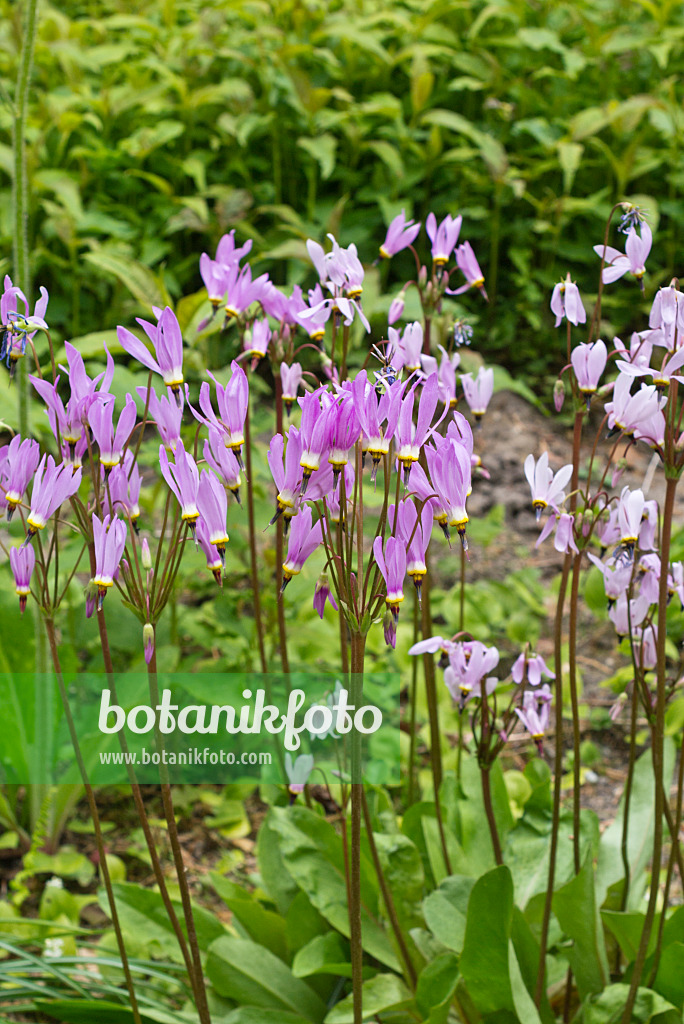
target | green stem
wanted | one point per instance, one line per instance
(92, 806)
(282, 628)
(387, 894)
(358, 646)
(252, 545)
(22, 269)
(167, 803)
(558, 772)
(656, 748)
(574, 702)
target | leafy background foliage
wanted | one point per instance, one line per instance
(156, 127)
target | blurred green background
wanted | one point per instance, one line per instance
(157, 126)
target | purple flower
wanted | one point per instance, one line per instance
(111, 442)
(52, 486)
(392, 565)
(322, 594)
(566, 302)
(450, 469)
(469, 664)
(215, 562)
(109, 538)
(232, 400)
(168, 416)
(410, 439)
(627, 411)
(313, 432)
(22, 562)
(534, 713)
(123, 487)
(213, 508)
(378, 415)
(589, 362)
(546, 488)
(343, 430)
(414, 533)
(478, 392)
(443, 238)
(531, 667)
(183, 479)
(287, 478)
(17, 328)
(256, 341)
(167, 339)
(242, 290)
(410, 347)
(564, 525)
(396, 307)
(447, 377)
(633, 260)
(290, 378)
(21, 462)
(400, 234)
(303, 541)
(630, 511)
(468, 265)
(223, 461)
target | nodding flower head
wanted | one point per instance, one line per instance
(414, 533)
(313, 432)
(322, 593)
(290, 378)
(304, 538)
(400, 234)
(22, 562)
(109, 538)
(52, 485)
(167, 415)
(215, 562)
(224, 462)
(256, 341)
(534, 713)
(213, 508)
(182, 477)
(167, 339)
(530, 667)
(443, 237)
(392, 565)
(409, 439)
(546, 488)
(17, 329)
(470, 663)
(478, 392)
(287, 477)
(633, 260)
(630, 510)
(232, 400)
(122, 490)
(20, 463)
(566, 302)
(589, 362)
(470, 268)
(298, 773)
(110, 441)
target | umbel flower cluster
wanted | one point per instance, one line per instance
(396, 415)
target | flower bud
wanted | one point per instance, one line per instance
(559, 394)
(422, 277)
(618, 470)
(397, 307)
(148, 641)
(145, 555)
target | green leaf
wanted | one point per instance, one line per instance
(278, 883)
(262, 925)
(323, 955)
(609, 868)
(484, 962)
(607, 1007)
(569, 156)
(627, 927)
(322, 149)
(446, 908)
(436, 987)
(669, 980)
(255, 1015)
(313, 856)
(144, 919)
(575, 906)
(139, 279)
(382, 993)
(246, 972)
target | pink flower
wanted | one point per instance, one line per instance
(20, 463)
(52, 486)
(167, 339)
(213, 509)
(478, 392)
(182, 477)
(444, 237)
(109, 537)
(637, 248)
(547, 488)
(400, 234)
(468, 265)
(305, 537)
(589, 362)
(566, 302)
(22, 563)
